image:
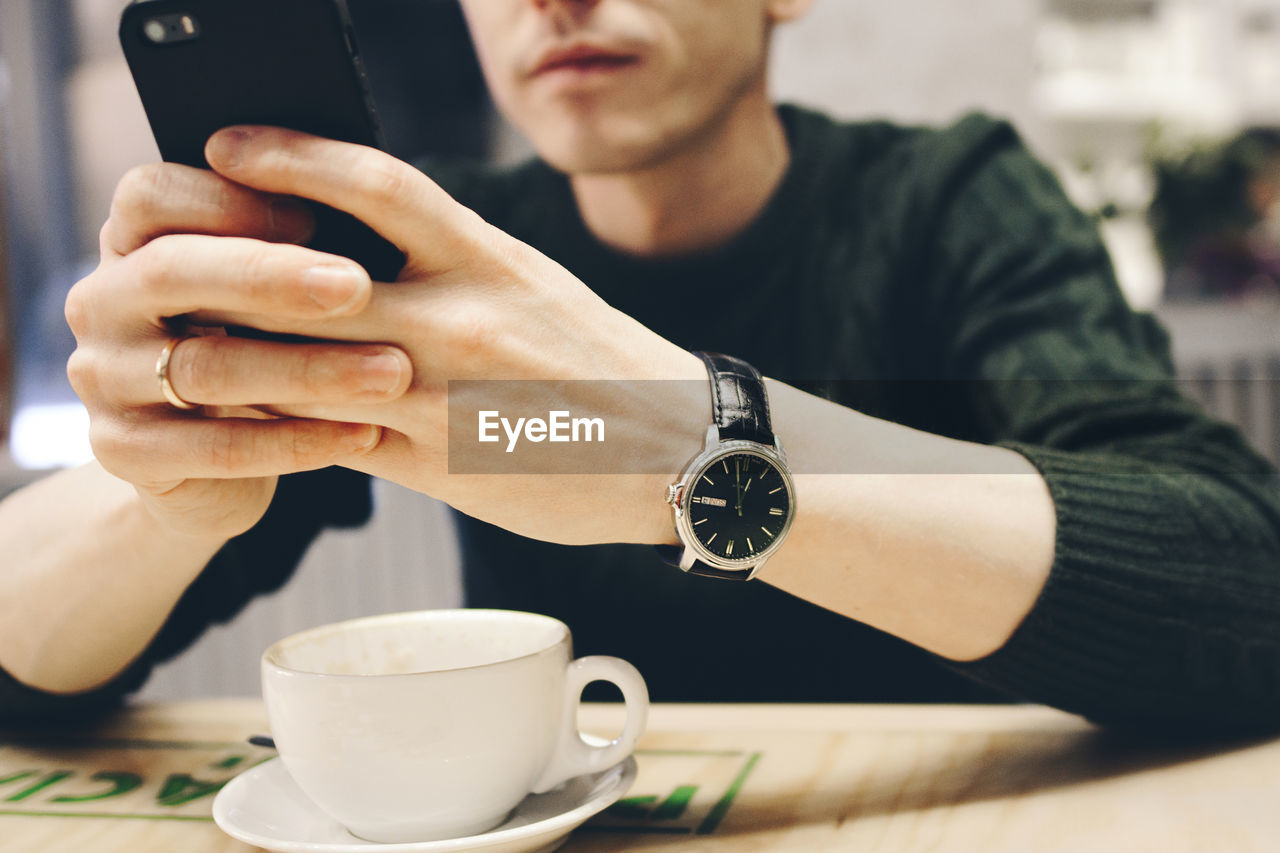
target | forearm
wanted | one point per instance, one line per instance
(88, 580)
(946, 544)
(1135, 583)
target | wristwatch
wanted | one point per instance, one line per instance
(735, 501)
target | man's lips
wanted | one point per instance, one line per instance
(582, 58)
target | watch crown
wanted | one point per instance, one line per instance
(673, 494)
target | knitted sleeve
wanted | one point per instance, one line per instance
(1163, 604)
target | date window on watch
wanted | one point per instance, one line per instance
(720, 502)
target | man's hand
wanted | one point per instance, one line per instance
(212, 250)
(182, 240)
(471, 303)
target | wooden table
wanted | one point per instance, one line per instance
(715, 778)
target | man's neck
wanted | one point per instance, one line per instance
(697, 199)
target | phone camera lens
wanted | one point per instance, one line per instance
(155, 30)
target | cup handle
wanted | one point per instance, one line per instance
(573, 756)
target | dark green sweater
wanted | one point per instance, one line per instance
(938, 279)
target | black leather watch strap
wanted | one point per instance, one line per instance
(670, 554)
(740, 411)
(739, 405)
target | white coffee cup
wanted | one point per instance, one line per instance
(436, 724)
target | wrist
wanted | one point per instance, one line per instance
(203, 514)
(726, 530)
(680, 419)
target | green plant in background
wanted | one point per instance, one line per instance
(1210, 197)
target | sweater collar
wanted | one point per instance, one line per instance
(731, 265)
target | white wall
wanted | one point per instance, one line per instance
(912, 60)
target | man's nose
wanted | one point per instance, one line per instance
(565, 15)
(568, 5)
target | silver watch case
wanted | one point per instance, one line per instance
(678, 497)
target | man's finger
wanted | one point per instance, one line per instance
(235, 371)
(228, 448)
(231, 371)
(398, 419)
(384, 312)
(392, 197)
(167, 198)
(180, 274)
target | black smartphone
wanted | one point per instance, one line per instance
(201, 65)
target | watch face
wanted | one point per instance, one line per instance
(738, 506)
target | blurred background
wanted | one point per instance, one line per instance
(1161, 117)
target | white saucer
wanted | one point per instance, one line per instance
(264, 807)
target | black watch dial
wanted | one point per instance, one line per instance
(738, 506)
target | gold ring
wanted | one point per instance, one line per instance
(162, 373)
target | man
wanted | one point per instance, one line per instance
(1098, 545)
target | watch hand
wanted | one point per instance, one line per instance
(737, 484)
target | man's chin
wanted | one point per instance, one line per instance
(596, 154)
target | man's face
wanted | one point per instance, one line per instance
(618, 85)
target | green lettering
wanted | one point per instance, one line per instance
(121, 783)
(17, 777)
(180, 789)
(674, 806)
(52, 779)
(632, 808)
(643, 808)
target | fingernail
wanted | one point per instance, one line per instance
(290, 220)
(334, 287)
(366, 439)
(226, 148)
(380, 373)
